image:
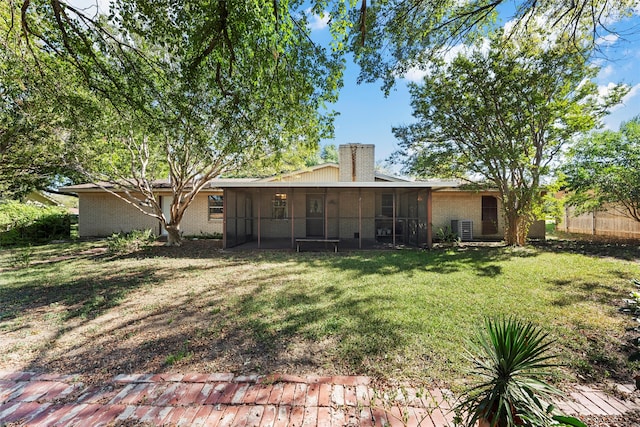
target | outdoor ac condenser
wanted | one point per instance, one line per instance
(463, 228)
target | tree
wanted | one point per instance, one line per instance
(188, 89)
(390, 37)
(329, 154)
(501, 116)
(603, 171)
(39, 100)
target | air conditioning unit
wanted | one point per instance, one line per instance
(463, 228)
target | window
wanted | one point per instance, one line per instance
(279, 206)
(215, 206)
(387, 205)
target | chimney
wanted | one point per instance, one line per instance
(357, 162)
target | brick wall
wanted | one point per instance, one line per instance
(449, 205)
(362, 156)
(102, 214)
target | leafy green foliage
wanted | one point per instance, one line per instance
(40, 102)
(562, 420)
(124, 243)
(393, 37)
(187, 89)
(446, 235)
(182, 354)
(26, 223)
(510, 361)
(502, 117)
(329, 154)
(21, 257)
(603, 171)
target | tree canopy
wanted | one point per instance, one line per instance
(390, 37)
(603, 171)
(500, 115)
(186, 89)
(39, 101)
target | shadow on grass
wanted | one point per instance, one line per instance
(592, 246)
(484, 262)
(260, 321)
(580, 290)
(255, 332)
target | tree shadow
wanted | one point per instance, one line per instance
(592, 246)
(484, 262)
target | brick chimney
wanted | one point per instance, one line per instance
(357, 162)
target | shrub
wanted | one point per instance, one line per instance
(22, 223)
(21, 257)
(446, 235)
(511, 361)
(135, 240)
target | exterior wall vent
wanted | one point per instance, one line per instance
(463, 228)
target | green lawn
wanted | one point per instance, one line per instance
(396, 315)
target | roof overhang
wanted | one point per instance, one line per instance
(344, 185)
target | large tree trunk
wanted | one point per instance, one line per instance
(517, 229)
(173, 235)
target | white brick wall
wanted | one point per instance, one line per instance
(364, 162)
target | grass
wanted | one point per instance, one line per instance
(395, 315)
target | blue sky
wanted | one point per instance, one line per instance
(367, 117)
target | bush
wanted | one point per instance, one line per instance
(446, 235)
(120, 243)
(22, 223)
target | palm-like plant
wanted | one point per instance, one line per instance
(512, 360)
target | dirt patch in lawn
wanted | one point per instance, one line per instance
(181, 309)
(80, 310)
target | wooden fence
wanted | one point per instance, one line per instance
(600, 223)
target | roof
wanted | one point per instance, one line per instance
(299, 171)
(217, 184)
(340, 184)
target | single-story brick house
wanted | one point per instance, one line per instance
(349, 202)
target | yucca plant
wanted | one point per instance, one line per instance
(511, 359)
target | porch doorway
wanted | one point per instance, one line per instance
(489, 215)
(315, 215)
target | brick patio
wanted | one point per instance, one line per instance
(28, 398)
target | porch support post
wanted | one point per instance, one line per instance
(429, 202)
(293, 220)
(359, 218)
(259, 216)
(326, 216)
(235, 202)
(393, 219)
(225, 193)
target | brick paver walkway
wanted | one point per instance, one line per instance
(225, 400)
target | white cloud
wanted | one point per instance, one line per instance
(91, 7)
(415, 74)
(607, 40)
(606, 72)
(317, 22)
(635, 90)
(604, 90)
